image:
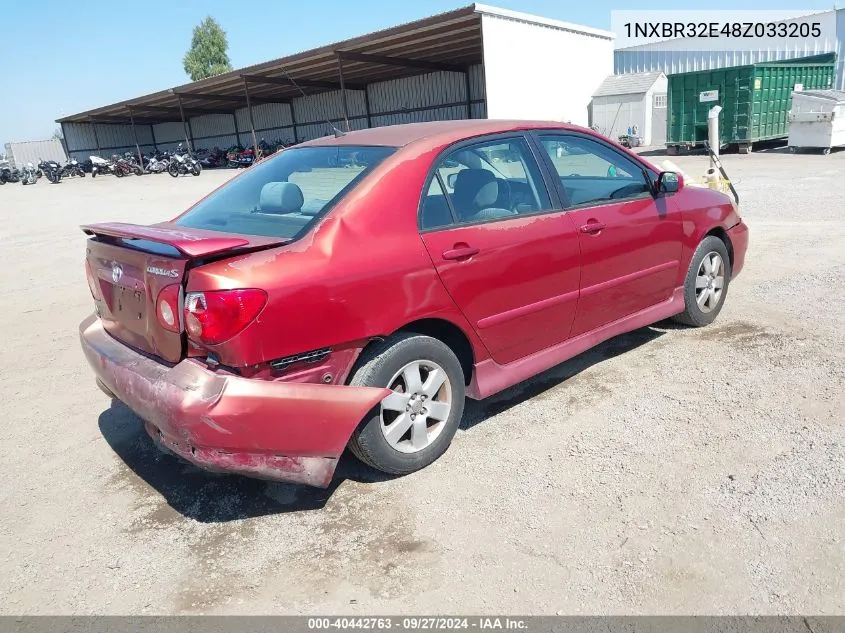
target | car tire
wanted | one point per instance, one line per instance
(378, 441)
(706, 283)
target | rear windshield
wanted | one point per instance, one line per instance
(286, 194)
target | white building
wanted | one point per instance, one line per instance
(21, 153)
(664, 56)
(625, 101)
(474, 62)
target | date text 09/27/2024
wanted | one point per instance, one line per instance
(416, 623)
(727, 29)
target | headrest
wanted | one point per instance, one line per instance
(474, 190)
(280, 197)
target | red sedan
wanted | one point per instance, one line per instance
(354, 290)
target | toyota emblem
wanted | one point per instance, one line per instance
(116, 273)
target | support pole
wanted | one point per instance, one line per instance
(96, 138)
(251, 120)
(135, 136)
(343, 92)
(64, 141)
(237, 134)
(153, 137)
(367, 106)
(468, 85)
(184, 124)
(191, 134)
(293, 122)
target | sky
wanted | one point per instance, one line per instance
(74, 56)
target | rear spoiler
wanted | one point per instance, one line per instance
(189, 242)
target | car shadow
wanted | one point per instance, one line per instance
(477, 412)
(218, 498)
(211, 497)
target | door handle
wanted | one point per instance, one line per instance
(592, 227)
(460, 252)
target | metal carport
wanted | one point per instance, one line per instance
(428, 69)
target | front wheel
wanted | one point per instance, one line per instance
(706, 283)
(415, 424)
(173, 169)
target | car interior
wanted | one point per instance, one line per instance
(592, 173)
(478, 191)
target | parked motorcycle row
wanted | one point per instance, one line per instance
(238, 156)
(179, 162)
(49, 169)
(176, 163)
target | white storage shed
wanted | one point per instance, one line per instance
(474, 62)
(21, 153)
(625, 101)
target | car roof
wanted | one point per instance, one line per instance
(435, 133)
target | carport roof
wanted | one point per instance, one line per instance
(448, 41)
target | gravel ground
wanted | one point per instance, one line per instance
(670, 470)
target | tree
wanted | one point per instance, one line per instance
(207, 56)
(57, 134)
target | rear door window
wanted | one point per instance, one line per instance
(286, 194)
(491, 180)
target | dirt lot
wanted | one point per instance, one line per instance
(667, 471)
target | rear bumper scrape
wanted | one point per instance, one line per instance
(281, 431)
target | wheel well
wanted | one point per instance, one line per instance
(723, 235)
(451, 335)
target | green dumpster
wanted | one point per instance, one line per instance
(755, 100)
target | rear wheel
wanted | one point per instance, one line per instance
(415, 424)
(706, 283)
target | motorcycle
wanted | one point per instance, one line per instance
(182, 162)
(73, 168)
(100, 166)
(29, 174)
(157, 163)
(126, 165)
(51, 170)
(237, 157)
(213, 158)
(7, 174)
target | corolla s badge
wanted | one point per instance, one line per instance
(163, 272)
(116, 273)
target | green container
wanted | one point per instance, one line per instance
(755, 100)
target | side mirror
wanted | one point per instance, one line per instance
(668, 182)
(451, 179)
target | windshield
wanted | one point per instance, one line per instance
(285, 195)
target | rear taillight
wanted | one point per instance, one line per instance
(93, 286)
(167, 308)
(216, 316)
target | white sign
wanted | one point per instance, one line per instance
(708, 95)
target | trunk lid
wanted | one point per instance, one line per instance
(131, 265)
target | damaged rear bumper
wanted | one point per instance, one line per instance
(281, 431)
